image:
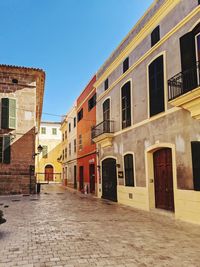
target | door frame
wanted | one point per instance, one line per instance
(149, 166)
(108, 157)
(45, 172)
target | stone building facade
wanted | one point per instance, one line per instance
(21, 99)
(48, 167)
(148, 110)
(69, 148)
(86, 149)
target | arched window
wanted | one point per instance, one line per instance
(156, 86)
(129, 170)
(126, 104)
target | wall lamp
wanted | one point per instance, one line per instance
(39, 149)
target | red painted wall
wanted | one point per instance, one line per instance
(88, 152)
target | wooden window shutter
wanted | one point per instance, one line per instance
(188, 61)
(6, 149)
(126, 105)
(187, 49)
(155, 36)
(8, 113)
(156, 86)
(1, 149)
(196, 164)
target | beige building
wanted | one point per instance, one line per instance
(48, 167)
(69, 148)
(148, 111)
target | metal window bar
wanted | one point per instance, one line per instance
(184, 82)
(106, 126)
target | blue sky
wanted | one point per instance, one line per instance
(69, 39)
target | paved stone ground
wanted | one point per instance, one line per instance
(62, 228)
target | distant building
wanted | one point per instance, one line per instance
(86, 148)
(69, 148)
(148, 111)
(21, 100)
(48, 168)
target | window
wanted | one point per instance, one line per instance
(92, 102)
(65, 134)
(63, 137)
(8, 113)
(69, 126)
(54, 131)
(126, 65)
(45, 152)
(106, 116)
(80, 114)
(126, 104)
(155, 36)
(156, 86)
(80, 142)
(70, 149)
(196, 164)
(74, 145)
(5, 152)
(43, 130)
(106, 84)
(65, 152)
(74, 122)
(129, 170)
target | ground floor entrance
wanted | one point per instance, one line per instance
(109, 179)
(163, 179)
(49, 173)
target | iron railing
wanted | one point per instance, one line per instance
(184, 82)
(106, 126)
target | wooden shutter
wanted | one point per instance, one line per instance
(6, 149)
(128, 168)
(155, 36)
(126, 105)
(1, 149)
(8, 114)
(188, 61)
(196, 164)
(156, 86)
(126, 65)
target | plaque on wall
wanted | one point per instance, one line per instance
(120, 174)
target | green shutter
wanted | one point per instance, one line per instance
(12, 114)
(8, 113)
(6, 149)
(4, 113)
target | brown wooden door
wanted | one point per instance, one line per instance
(49, 173)
(92, 178)
(81, 178)
(163, 179)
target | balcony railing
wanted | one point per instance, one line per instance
(184, 82)
(104, 127)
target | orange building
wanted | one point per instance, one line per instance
(86, 148)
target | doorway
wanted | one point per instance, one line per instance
(48, 173)
(163, 179)
(81, 178)
(109, 179)
(92, 178)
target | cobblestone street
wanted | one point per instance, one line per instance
(62, 228)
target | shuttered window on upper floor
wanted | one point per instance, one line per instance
(8, 113)
(155, 36)
(92, 102)
(45, 152)
(5, 151)
(126, 65)
(106, 85)
(126, 104)
(156, 86)
(80, 115)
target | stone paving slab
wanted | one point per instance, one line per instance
(63, 228)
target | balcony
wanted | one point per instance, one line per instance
(103, 133)
(184, 90)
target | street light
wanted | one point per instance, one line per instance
(39, 149)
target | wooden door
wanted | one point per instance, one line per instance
(163, 179)
(81, 178)
(49, 173)
(92, 178)
(109, 179)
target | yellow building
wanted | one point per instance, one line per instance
(48, 167)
